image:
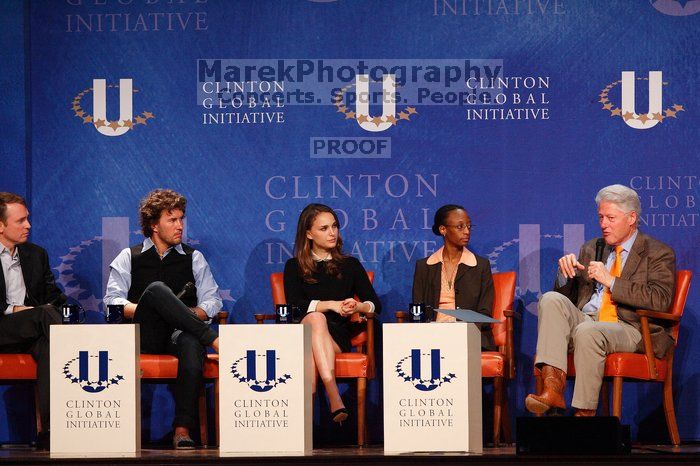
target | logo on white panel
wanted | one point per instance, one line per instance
(78, 371)
(411, 369)
(627, 110)
(263, 379)
(98, 118)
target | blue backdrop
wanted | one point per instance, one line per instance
(513, 108)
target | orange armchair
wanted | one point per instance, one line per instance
(644, 367)
(20, 368)
(498, 365)
(158, 368)
(356, 365)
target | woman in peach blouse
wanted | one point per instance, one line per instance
(454, 277)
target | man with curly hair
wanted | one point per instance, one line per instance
(145, 279)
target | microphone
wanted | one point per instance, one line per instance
(599, 248)
(189, 286)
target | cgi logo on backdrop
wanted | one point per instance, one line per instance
(628, 111)
(82, 378)
(99, 119)
(414, 374)
(245, 370)
(676, 7)
(375, 95)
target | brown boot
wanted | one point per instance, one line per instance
(584, 412)
(552, 396)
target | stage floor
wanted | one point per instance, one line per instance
(641, 454)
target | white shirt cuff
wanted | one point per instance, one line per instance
(312, 306)
(10, 309)
(371, 306)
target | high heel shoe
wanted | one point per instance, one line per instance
(339, 415)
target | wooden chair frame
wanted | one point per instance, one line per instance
(652, 374)
(504, 282)
(363, 343)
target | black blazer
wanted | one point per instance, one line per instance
(473, 291)
(38, 278)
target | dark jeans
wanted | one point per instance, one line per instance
(28, 332)
(159, 314)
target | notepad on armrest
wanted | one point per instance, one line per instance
(466, 315)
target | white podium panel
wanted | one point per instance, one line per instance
(432, 387)
(95, 389)
(265, 388)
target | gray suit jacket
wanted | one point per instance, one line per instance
(647, 282)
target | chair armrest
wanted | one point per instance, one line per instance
(261, 318)
(658, 315)
(648, 349)
(222, 317)
(401, 316)
(510, 342)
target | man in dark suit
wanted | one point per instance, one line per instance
(28, 297)
(592, 310)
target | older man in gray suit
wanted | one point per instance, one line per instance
(592, 310)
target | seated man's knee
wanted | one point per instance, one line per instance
(157, 287)
(587, 334)
(551, 301)
(52, 314)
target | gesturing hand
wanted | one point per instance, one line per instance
(568, 265)
(598, 272)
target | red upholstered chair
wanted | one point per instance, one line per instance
(356, 365)
(644, 367)
(159, 368)
(20, 368)
(498, 365)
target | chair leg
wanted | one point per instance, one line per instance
(37, 413)
(497, 408)
(361, 413)
(605, 398)
(670, 412)
(617, 397)
(203, 431)
(505, 419)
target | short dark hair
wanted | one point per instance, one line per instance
(153, 205)
(441, 216)
(9, 198)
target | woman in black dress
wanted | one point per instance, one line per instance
(323, 282)
(454, 277)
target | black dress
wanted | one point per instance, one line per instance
(351, 282)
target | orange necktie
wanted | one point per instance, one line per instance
(608, 308)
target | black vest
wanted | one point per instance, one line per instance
(175, 270)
